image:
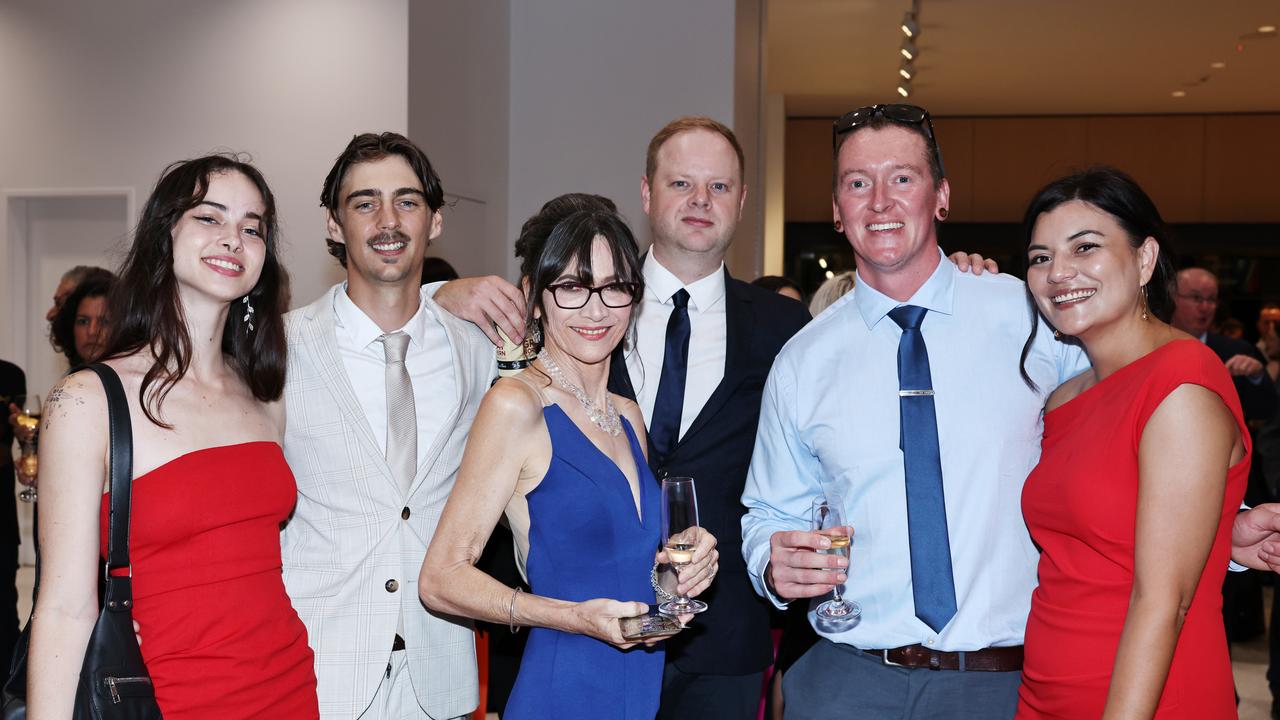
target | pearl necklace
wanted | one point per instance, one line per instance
(605, 418)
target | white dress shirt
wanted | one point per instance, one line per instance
(707, 337)
(429, 361)
(830, 422)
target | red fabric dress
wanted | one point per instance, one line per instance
(1080, 504)
(219, 635)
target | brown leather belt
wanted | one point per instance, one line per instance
(995, 659)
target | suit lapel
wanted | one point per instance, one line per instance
(320, 337)
(738, 332)
(619, 376)
(463, 378)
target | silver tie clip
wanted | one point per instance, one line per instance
(915, 393)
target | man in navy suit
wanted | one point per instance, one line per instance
(704, 345)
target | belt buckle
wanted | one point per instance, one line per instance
(884, 655)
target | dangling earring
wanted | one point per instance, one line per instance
(248, 315)
(943, 213)
(1144, 303)
(839, 226)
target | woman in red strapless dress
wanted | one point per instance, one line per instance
(198, 343)
(1142, 470)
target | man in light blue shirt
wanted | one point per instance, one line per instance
(830, 423)
(907, 398)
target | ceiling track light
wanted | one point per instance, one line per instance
(910, 27)
(907, 71)
(909, 50)
(904, 88)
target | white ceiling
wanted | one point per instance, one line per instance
(1027, 57)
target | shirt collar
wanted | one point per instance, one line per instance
(935, 295)
(661, 284)
(361, 331)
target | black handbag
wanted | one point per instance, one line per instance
(114, 683)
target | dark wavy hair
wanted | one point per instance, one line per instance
(96, 283)
(370, 147)
(1115, 193)
(147, 313)
(543, 262)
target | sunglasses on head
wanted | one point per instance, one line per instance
(904, 114)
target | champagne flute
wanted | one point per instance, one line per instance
(680, 537)
(29, 421)
(827, 514)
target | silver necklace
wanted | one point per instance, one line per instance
(605, 418)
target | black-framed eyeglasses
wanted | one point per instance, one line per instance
(905, 114)
(572, 295)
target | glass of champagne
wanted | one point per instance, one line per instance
(29, 424)
(827, 515)
(680, 537)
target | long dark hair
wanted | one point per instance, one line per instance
(1118, 195)
(147, 313)
(97, 283)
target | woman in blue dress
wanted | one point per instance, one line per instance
(564, 461)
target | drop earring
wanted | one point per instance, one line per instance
(248, 314)
(1144, 303)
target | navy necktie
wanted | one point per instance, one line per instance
(664, 426)
(933, 584)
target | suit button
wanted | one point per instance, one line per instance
(392, 585)
(404, 514)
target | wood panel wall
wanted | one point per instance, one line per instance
(1197, 168)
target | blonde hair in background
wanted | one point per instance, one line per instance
(830, 291)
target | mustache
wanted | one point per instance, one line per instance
(388, 236)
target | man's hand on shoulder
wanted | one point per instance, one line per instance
(973, 262)
(486, 301)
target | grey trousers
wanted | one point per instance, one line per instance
(839, 681)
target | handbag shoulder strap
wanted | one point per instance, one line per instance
(121, 464)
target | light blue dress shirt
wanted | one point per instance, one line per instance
(829, 422)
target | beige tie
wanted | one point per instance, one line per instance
(402, 415)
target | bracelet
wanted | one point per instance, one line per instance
(657, 587)
(511, 611)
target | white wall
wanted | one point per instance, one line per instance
(459, 84)
(593, 80)
(101, 94)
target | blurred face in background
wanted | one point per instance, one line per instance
(65, 288)
(91, 327)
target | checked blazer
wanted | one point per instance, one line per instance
(354, 546)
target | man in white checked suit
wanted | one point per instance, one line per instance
(382, 387)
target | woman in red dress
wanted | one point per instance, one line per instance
(198, 342)
(1142, 470)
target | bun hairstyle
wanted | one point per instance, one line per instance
(562, 234)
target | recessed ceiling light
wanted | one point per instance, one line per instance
(1267, 29)
(830, 274)
(1179, 93)
(1217, 65)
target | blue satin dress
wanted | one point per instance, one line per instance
(586, 541)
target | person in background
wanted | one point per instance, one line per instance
(831, 290)
(782, 285)
(1142, 470)
(79, 330)
(13, 390)
(197, 340)
(436, 269)
(70, 279)
(1232, 328)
